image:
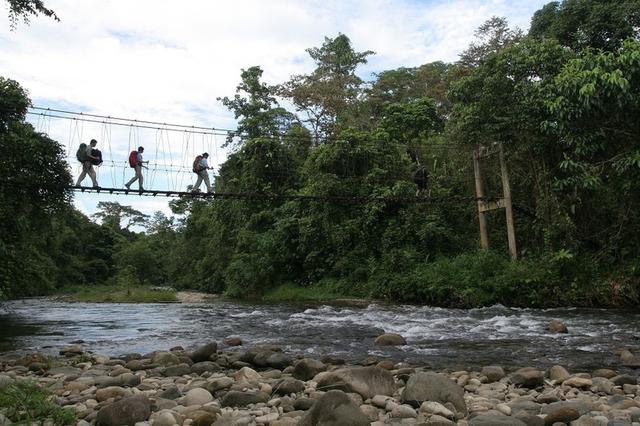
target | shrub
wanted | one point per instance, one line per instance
(26, 403)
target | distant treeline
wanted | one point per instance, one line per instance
(563, 100)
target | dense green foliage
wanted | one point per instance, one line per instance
(563, 107)
(27, 403)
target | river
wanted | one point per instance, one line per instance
(440, 338)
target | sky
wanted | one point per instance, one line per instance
(169, 61)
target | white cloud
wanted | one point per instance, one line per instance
(168, 61)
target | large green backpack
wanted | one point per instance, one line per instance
(81, 153)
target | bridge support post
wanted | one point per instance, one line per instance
(501, 203)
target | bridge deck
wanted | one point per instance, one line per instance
(298, 197)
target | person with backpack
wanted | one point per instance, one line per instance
(135, 162)
(200, 167)
(86, 157)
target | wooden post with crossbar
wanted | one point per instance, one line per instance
(501, 203)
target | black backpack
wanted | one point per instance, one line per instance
(98, 160)
(81, 153)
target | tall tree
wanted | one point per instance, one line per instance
(331, 89)
(601, 24)
(492, 36)
(34, 182)
(112, 214)
(256, 109)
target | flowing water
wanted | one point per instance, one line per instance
(440, 338)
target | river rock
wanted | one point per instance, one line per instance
(433, 387)
(495, 420)
(288, 386)
(214, 385)
(172, 392)
(303, 403)
(233, 341)
(127, 411)
(197, 396)
(246, 374)
(166, 418)
(581, 406)
(563, 414)
(493, 373)
(578, 382)
(558, 373)
(334, 408)
(604, 372)
(204, 353)
(367, 381)
(115, 392)
(203, 418)
(432, 407)
(279, 360)
(165, 358)
(623, 379)
(177, 370)
(307, 368)
(587, 420)
(72, 350)
(390, 339)
(527, 377)
(241, 399)
(205, 366)
(557, 326)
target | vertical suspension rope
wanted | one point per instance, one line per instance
(124, 169)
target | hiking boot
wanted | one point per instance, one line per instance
(126, 185)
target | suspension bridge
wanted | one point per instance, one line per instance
(171, 149)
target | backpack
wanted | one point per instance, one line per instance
(96, 153)
(133, 159)
(197, 167)
(81, 153)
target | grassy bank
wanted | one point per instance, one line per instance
(116, 294)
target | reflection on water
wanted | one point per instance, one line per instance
(437, 337)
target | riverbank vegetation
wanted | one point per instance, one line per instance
(118, 294)
(562, 101)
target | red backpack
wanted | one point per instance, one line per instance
(196, 164)
(133, 159)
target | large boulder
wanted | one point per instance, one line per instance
(527, 377)
(334, 408)
(288, 386)
(428, 386)
(390, 339)
(204, 353)
(366, 381)
(279, 360)
(165, 358)
(127, 411)
(493, 373)
(307, 368)
(557, 326)
(197, 396)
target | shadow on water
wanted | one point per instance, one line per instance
(441, 338)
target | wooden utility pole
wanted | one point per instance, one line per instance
(501, 203)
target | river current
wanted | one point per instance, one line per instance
(437, 337)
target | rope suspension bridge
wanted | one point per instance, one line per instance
(172, 148)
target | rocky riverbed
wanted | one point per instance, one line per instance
(230, 385)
